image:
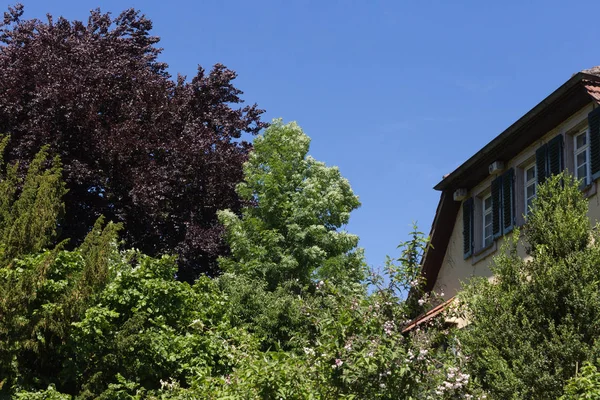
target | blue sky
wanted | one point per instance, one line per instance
(395, 93)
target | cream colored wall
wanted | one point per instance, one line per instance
(455, 269)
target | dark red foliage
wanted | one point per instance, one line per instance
(160, 156)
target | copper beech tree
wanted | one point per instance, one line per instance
(157, 154)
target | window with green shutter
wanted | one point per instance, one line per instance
(503, 203)
(581, 157)
(468, 227)
(541, 158)
(497, 207)
(489, 216)
(555, 155)
(549, 158)
(594, 129)
(508, 201)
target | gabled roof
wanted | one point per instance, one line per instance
(569, 98)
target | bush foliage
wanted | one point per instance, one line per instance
(540, 317)
(100, 322)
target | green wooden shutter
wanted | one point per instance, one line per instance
(540, 163)
(555, 155)
(594, 127)
(508, 201)
(497, 207)
(468, 227)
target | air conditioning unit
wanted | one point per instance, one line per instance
(460, 194)
(496, 166)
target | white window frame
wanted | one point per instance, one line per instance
(487, 240)
(576, 152)
(529, 183)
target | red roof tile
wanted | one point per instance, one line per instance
(593, 88)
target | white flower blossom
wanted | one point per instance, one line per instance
(389, 327)
(309, 352)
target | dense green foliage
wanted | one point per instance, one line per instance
(540, 318)
(584, 386)
(100, 322)
(296, 313)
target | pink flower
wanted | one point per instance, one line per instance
(338, 363)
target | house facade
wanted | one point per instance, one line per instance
(484, 199)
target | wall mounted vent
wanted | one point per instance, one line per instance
(460, 194)
(496, 166)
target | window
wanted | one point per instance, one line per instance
(529, 176)
(489, 215)
(488, 235)
(549, 159)
(594, 143)
(582, 157)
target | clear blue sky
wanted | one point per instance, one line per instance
(396, 93)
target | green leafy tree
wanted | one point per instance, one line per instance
(287, 238)
(540, 317)
(29, 213)
(296, 205)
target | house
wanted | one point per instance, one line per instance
(485, 198)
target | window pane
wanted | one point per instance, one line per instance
(580, 141)
(530, 191)
(487, 241)
(581, 158)
(488, 231)
(581, 171)
(487, 219)
(487, 203)
(529, 202)
(530, 174)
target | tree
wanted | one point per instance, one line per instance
(287, 237)
(159, 156)
(292, 231)
(538, 320)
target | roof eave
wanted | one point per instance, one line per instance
(555, 96)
